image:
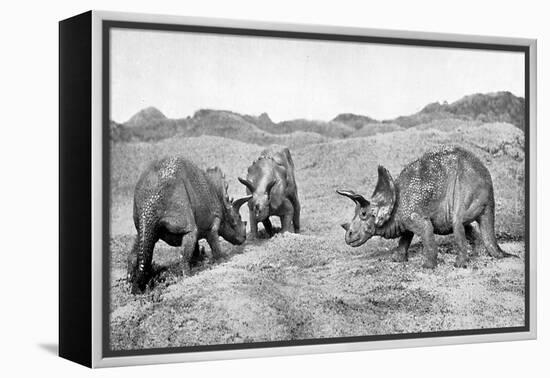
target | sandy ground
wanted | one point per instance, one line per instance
(313, 285)
(302, 287)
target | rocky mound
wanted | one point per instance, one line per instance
(354, 120)
(146, 117)
(490, 107)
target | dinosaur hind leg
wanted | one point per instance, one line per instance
(474, 237)
(459, 233)
(144, 247)
(188, 245)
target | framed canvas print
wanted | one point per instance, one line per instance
(233, 189)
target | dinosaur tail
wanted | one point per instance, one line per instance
(487, 228)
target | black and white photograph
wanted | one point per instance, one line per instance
(275, 189)
(270, 190)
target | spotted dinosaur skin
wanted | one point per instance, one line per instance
(271, 182)
(179, 203)
(445, 191)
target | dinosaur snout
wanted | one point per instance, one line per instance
(260, 212)
(354, 236)
(351, 237)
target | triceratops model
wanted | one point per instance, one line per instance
(271, 182)
(443, 192)
(179, 203)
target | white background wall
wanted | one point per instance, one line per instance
(28, 283)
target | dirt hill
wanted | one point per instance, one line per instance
(354, 120)
(234, 126)
(313, 285)
(490, 107)
(147, 116)
(262, 121)
(151, 125)
(329, 129)
(370, 129)
(210, 122)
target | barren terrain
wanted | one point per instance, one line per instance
(313, 285)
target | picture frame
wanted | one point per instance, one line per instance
(86, 196)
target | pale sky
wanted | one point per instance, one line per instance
(179, 73)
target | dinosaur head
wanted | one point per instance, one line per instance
(261, 195)
(370, 215)
(232, 228)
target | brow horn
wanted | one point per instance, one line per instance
(248, 184)
(357, 198)
(241, 201)
(270, 186)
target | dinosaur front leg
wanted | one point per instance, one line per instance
(401, 254)
(286, 223)
(423, 227)
(268, 227)
(296, 216)
(213, 239)
(253, 225)
(286, 217)
(198, 254)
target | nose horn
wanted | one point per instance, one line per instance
(345, 226)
